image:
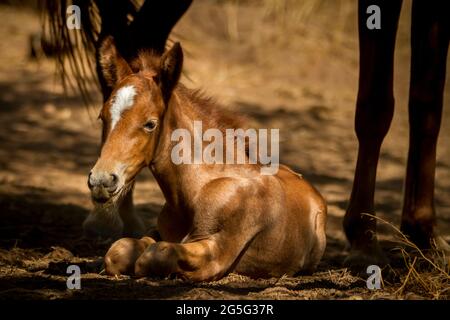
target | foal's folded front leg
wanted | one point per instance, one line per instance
(202, 260)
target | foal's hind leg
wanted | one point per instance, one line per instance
(374, 111)
(430, 39)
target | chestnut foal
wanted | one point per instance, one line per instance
(430, 33)
(217, 218)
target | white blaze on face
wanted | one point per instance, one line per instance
(122, 101)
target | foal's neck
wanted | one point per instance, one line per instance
(179, 183)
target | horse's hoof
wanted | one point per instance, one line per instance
(359, 259)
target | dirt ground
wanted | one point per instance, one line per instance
(296, 74)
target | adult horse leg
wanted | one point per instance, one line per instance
(429, 44)
(374, 111)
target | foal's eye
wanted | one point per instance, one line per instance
(150, 125)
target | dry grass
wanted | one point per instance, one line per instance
(427, 271)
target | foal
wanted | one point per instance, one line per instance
(217, 217)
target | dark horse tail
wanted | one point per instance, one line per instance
(134, 24)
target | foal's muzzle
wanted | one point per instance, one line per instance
(102, 185)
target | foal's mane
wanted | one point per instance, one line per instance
(212, 114)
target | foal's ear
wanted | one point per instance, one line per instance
(170, 69)
(113, 66)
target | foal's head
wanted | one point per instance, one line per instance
(131, 117)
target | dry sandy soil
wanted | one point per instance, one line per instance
(295, 73)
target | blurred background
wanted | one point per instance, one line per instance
(284, 64)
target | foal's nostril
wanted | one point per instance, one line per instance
(114, 178)
(111, 185)
(98, 181)
(89, 181)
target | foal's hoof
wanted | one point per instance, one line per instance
(156, 261)
(122, 256)
(359, 259)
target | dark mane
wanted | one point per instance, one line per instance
(212, 114)
(210, 111)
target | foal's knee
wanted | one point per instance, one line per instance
(159, 259)
(122, 256)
